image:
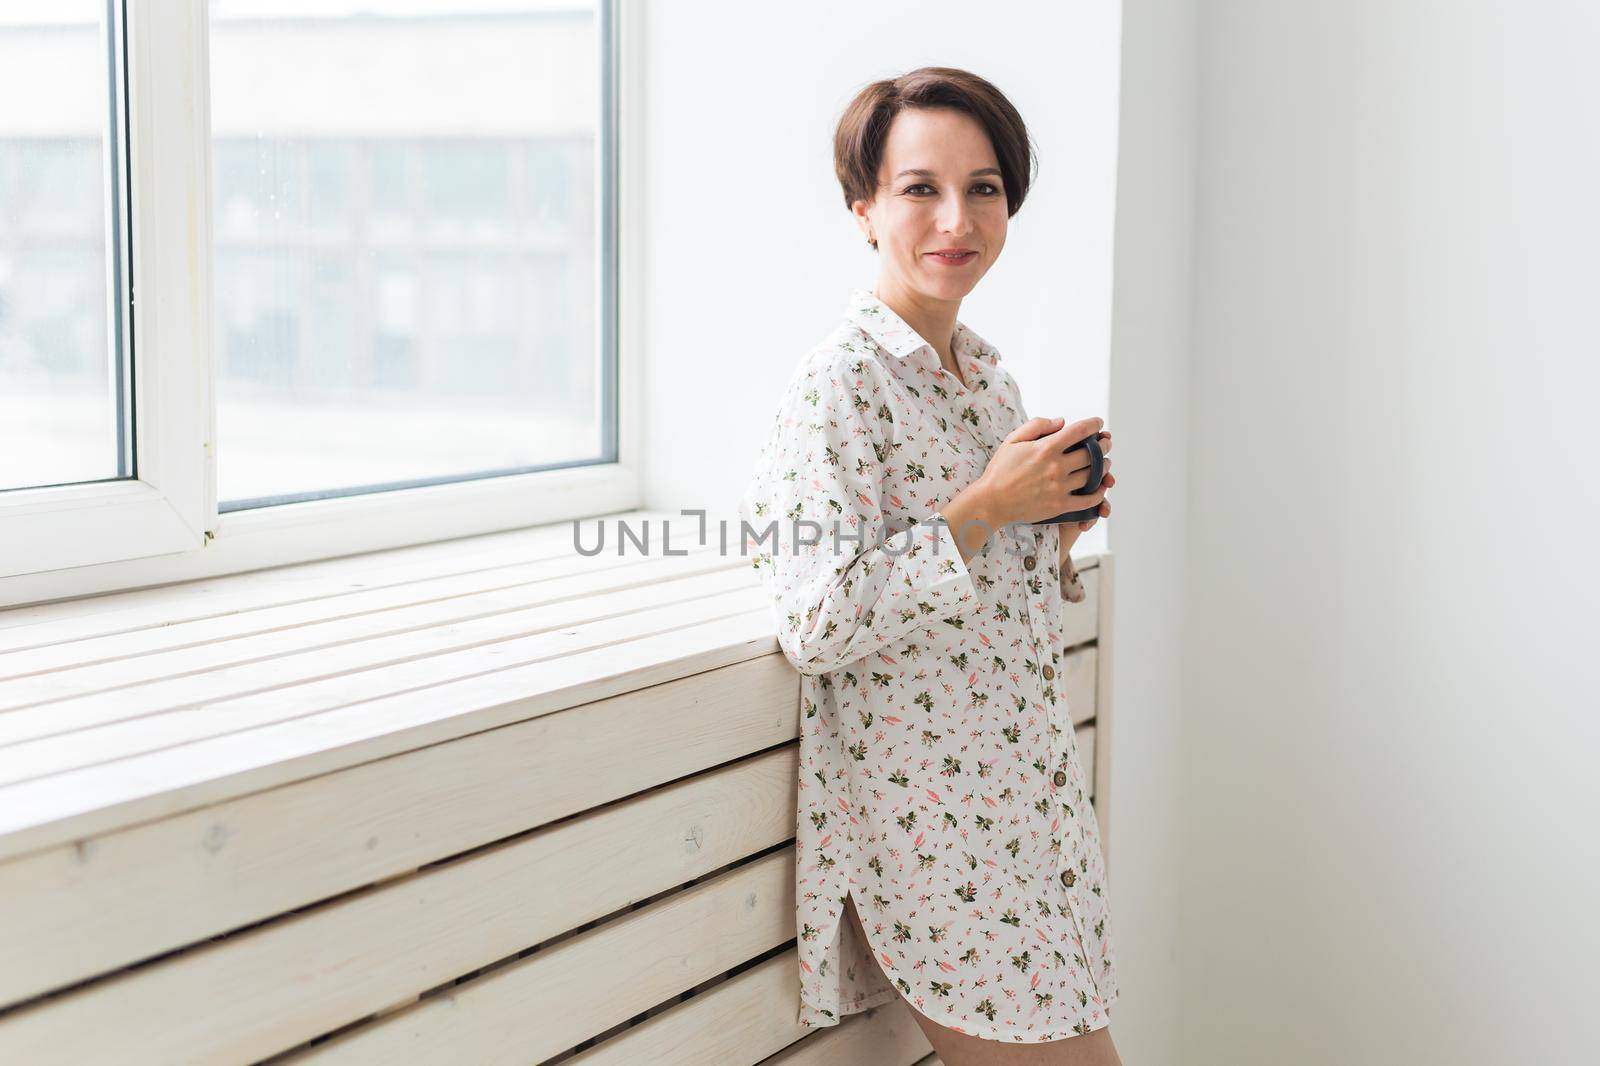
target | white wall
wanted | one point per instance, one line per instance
(751, 252)
(1391, 721)
(1149, 408)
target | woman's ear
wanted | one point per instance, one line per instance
(861, 209)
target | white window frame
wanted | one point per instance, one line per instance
(66, 541)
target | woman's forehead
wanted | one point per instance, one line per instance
(948, 143)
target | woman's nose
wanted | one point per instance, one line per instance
(953, 216)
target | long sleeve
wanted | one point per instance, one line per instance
(821, 473)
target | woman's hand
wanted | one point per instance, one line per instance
(1031, 476)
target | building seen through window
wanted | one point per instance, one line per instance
(404, 261)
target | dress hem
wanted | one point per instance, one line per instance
(993, 1033)
(996, 1035)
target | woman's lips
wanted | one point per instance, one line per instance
(952, 260)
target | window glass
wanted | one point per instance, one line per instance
(62, 370)
(405, 224)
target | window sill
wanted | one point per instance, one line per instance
(123, 708)
(130, 706)
(317, 530)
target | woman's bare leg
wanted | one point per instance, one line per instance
(962, 1049)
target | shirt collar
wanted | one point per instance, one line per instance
(897, 337)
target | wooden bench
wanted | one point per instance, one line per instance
(487, 800)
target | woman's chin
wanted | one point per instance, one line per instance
(947, 288)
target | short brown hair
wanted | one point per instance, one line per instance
(864, 127)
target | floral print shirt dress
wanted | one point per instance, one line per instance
(939, 777)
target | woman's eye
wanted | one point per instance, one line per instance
(991, 190)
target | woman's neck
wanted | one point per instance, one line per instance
(930, 320)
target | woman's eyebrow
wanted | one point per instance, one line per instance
(921, 173)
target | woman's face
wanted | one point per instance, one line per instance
(955, 200)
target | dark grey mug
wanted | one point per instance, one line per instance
(1097, 469)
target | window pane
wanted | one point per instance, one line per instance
(405, 217)
(61, 374)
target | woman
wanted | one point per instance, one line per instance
(946, 849)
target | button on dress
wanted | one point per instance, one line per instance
(939, 782)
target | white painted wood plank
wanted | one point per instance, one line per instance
(69, 806)
(885, 1035)
(1077, 676)
(276, 986)
(110, 654)
(150, 733)
(1105, 711)
(90, 907)
(1084, 737)
(186, 708)
(588, 983)
(45, 624)
(1081, 621)
(739, 1022)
